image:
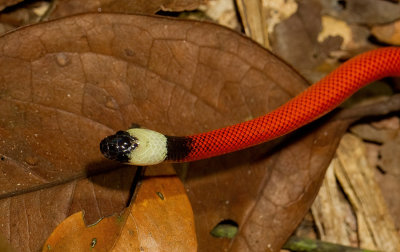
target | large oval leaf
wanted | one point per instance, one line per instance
(68, 83)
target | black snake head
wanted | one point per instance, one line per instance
(119, 146)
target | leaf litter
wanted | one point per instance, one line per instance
(260, 175)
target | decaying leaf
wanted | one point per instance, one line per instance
(29, 218)
(322, 33)
(365, 12)
(375, 226)
(68, 83)
(296, 40)
(65, 8)
(335, 27)
(160, 219)
(388, 33)
(384, 153)
(260, 17)
(222, 12)
(332, 214)
(20, 13)
(6, 3)
(361, 218)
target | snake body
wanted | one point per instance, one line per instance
(312, 103)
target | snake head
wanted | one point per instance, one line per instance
(135, 146)
(119, 146)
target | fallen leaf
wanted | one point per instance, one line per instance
(267, 192)
(68, 83)
(65, 8)
(365, 12)
(159, 219)
(260, 17)
(295, 39)
(333, 216)
(29, 218)
(20, 13)
(335, 27)
(375, 226)
(388, 33)
(323, 33)
(384, 157)
(6, 3)
(389, 179)
(222, 12)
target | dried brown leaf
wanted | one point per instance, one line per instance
(375, 226)
(160, 219)
(29, 218)
(385, 157)
(365, 12)
(296, 40)
(260, 17)
(323, 33)
(65, 8)
(6, 3)
(68, 83)
(388, 33)
(24, 13)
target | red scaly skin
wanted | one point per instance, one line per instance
(311, 104)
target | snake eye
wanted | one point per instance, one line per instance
(119, 146)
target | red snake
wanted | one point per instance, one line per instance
(146, 147)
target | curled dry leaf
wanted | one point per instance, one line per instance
(5, 3)
(21, 13)
(365, 12)
(29, 218)
(322, 33)
(68, 83)
(296, 40)
(385, 156)
(31, 12)
(388, 33)
(65, 8)
(160, 219)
